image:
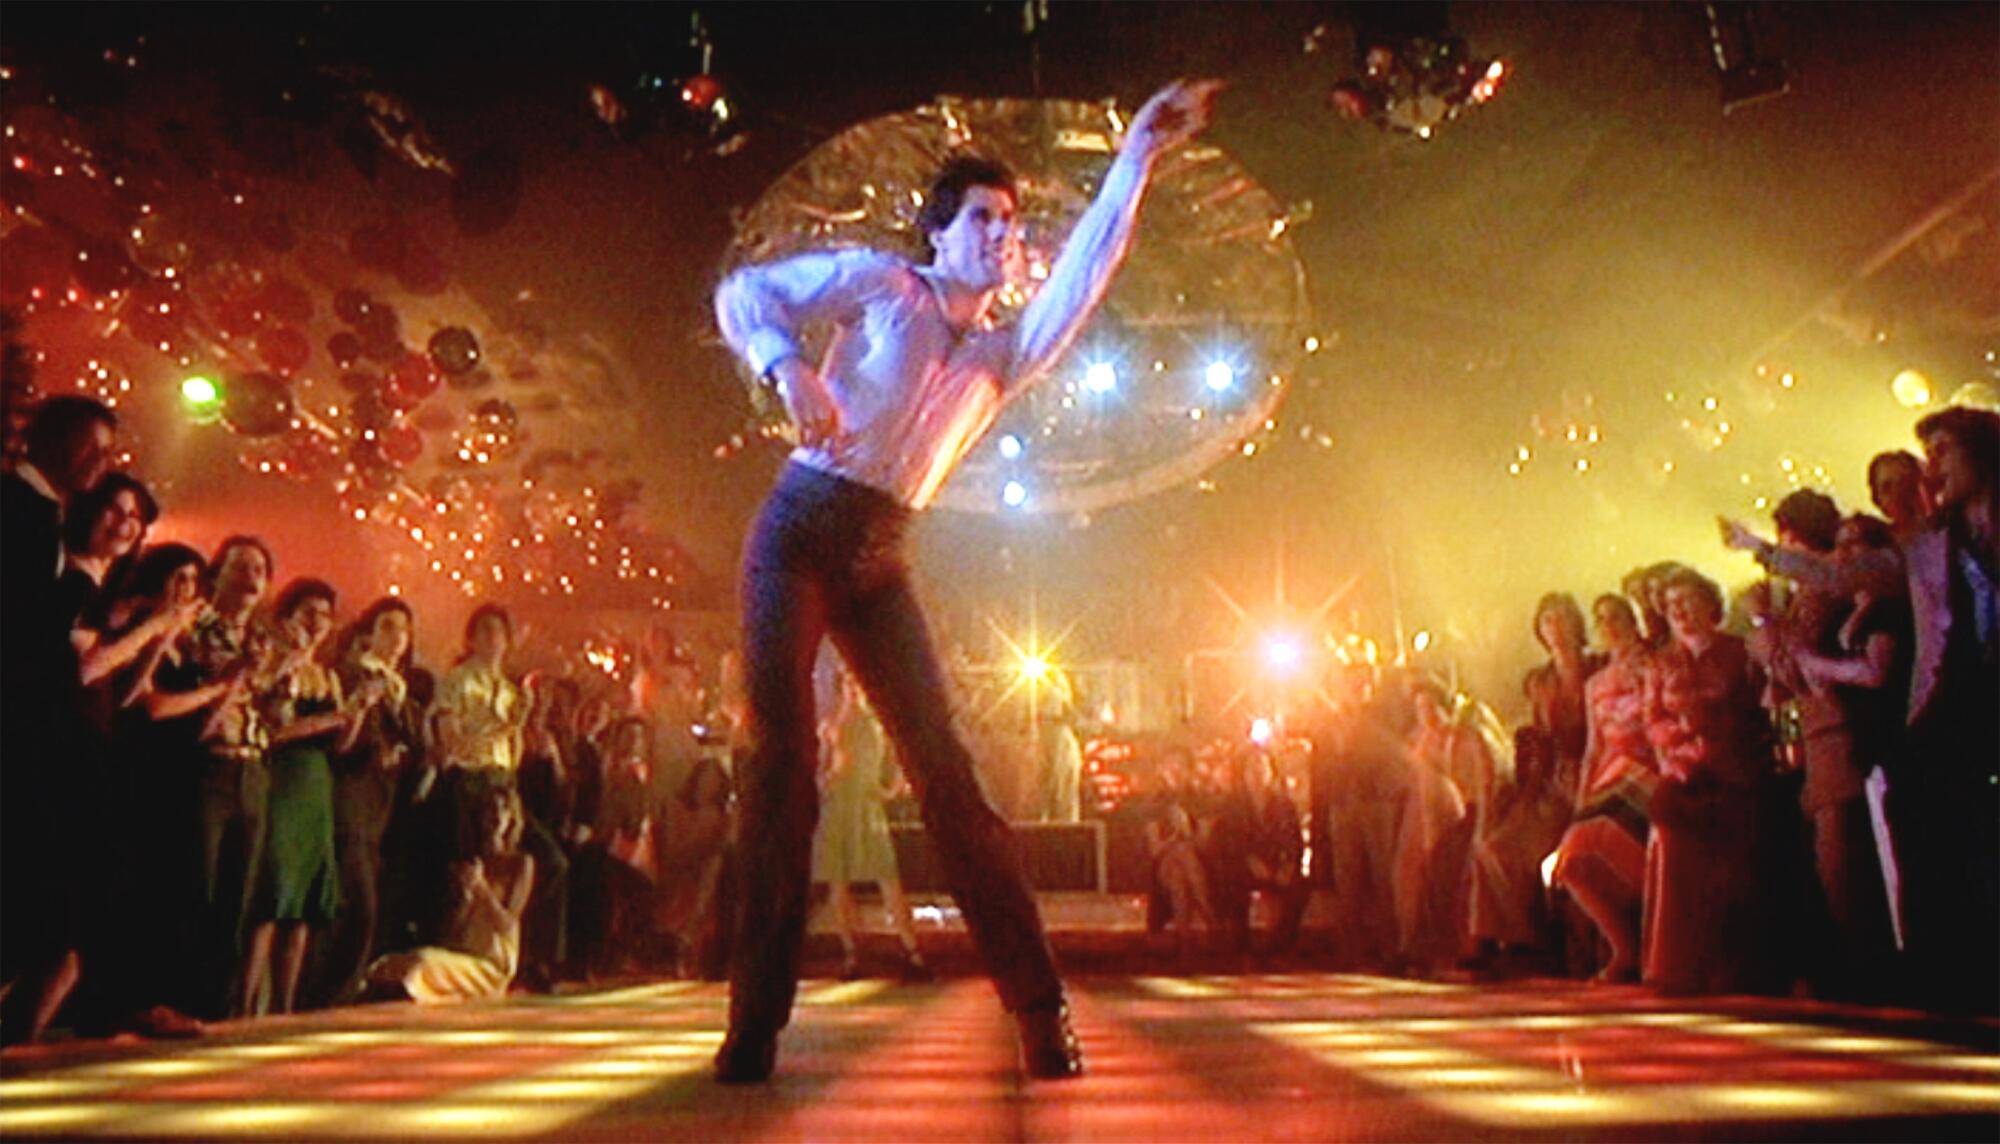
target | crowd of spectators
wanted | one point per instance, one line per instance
(220, 801)
(1798, 790)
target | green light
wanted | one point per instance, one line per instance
(200, 391)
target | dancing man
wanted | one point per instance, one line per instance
(914, 373)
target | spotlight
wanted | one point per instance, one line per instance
(1261, 731)
(202, 397)
(1220, 375)
(1010, 447)
(1911, 389)
(1033, 667)
(1014, 494)
(1422, 642)
(1282, 654)
(1100, 377)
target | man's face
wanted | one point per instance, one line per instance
(1557, 629)
(87, 459)
(981, 248)
(244, 574)
(1950, 470)
(1898, 490)
(311, 622)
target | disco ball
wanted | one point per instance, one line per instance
(1187, 358)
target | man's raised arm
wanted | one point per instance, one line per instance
(1096, 248)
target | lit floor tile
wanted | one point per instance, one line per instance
(61, 1118)
(275, 1120)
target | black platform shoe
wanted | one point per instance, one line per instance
(746, 1058)
(1049, 1048)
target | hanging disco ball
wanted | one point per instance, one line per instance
(1191, 351)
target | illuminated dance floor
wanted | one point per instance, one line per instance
(1283, 1056)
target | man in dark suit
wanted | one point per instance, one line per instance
(1949, 788)
(69, 444)
(1944, 796)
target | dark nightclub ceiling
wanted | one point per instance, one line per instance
(1555, 325)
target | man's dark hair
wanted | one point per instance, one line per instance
(1564, 604)
(1881, 461)
(1977, 432)
(57, 421)
(239, 540)
(1811, 516)
(947, 194)
(298, 592)
(1690, 580)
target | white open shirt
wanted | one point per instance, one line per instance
(914, 394)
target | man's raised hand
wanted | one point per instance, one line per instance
(1176, 113)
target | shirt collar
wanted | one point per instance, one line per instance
(929, 276)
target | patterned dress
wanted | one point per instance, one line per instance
(1611, 802)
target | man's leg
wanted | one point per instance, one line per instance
(883, 637)
(783, 626)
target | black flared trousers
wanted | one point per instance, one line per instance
(825, 560)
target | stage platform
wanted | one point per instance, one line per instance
(1299, 1056)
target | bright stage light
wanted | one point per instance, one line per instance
(1010, 447)
(1014, 494)
(1033, 667)
(1911, 389)
(1283, 654)
(1100, 377)
(1261, 731)
(1220, 375)
(1422, 642)
(202, 398)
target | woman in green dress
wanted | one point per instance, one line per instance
(309, 721)
(852, 843)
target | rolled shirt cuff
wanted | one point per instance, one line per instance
(767, 347)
